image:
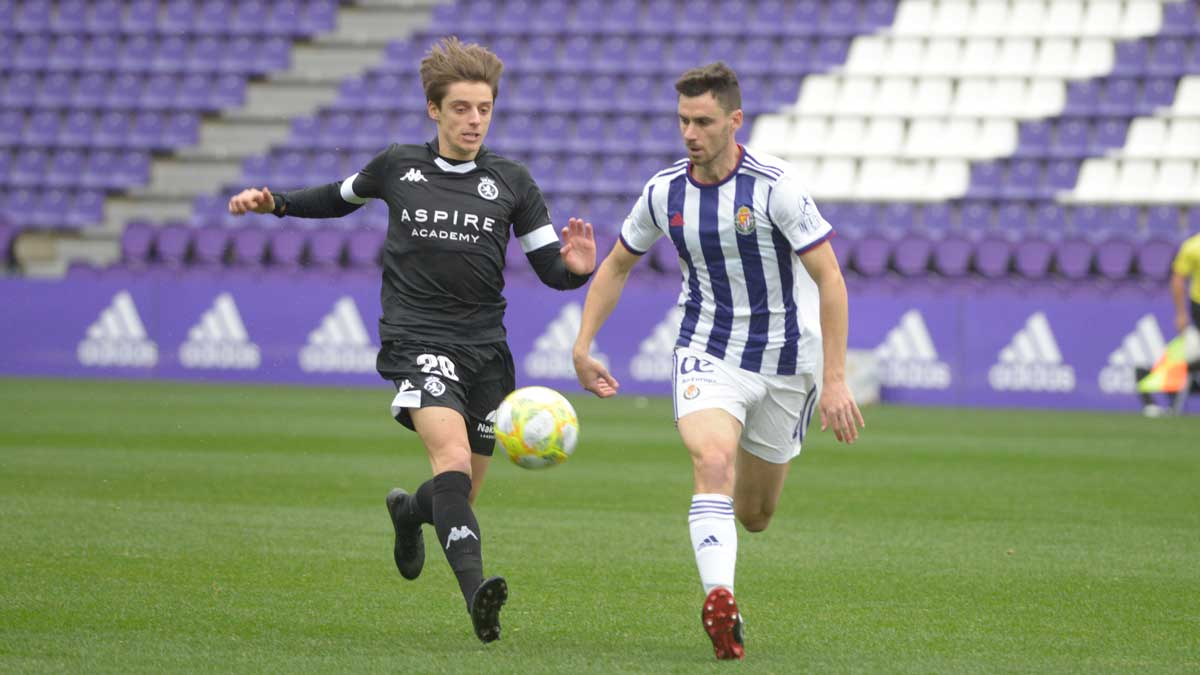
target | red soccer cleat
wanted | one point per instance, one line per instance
(723, 623)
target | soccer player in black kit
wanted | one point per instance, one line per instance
(450, 204)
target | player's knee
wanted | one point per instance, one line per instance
(754, 519)
(714, 468)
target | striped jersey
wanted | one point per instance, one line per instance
(746, 298)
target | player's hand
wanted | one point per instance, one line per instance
(1182, 321)
(579, 247)
(838, 410)
(252, 200)
(594, 377)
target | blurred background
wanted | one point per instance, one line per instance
(1009, 179)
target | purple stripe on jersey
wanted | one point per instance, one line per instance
(691, 308)
(718, 278)
(822, 240)
(806, 416)
(756, 281)
(760, 167)
(628, 247)
(791, 326)
(650, 206)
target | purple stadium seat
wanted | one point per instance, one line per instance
(877, 14)
(1170, 58)
(111, 130)
(841, 18)
(952, 256)
(1025, 180)
(1071, 138)
(1163, 220)
(325, 248)
(1033, 256)
(247, 246)
(209, 245)
(286, 246)
(1073, 257)
(911, 255)
(363, 247)
(976, 216)
(67, 54)
(12, 127)
(1180, 18)
(147, 131)
(1108, 134)
(104, 16)
(1114, 257)
(871, 255)
(1131, 58)
(172, 245)
(19, 90)
(124, 91)
(987, 179)
(993, 255)
(1033, 139)
(1154, 257)
(141, 16)
(63, 169)
(33, 17)
(1013, 219)
(1061, 175)
(831, 52)
(1158, 92)
(137, 53)
(1193, 220)
(1083, 98)
(1121, 96)
(937, 218)
(29, 168)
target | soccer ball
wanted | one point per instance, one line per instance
(537, 427)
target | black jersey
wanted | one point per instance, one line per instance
(448, 228)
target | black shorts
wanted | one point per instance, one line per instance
(472, 379)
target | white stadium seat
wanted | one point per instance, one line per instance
(1062, 18)
(1055, 57)
(1097, 180)
(772, 133)
(834, 178)
(979, 57)
(942, 56)
(904, 56)
(868, 55)
(1176, 181)
(1045, 98)
(1017, 57)
(1027, 18)
(913, 17)
(846, 137)
(1093, 58)
(1140, 19)
(973, 98)
(949, 18)
(948, 179)
(809, 135)
(987, 19)
(1187, 97)
(997, 138)
(856, 96)
(1135, 180)
(1102, 18)
(818, 94)
(933, 97)
(884, 137)
(925, 138)
(895, 96)
(1147, 137)
(1183, 139)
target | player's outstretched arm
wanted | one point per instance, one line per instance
(579, 247)
(602, 298)
(837, 406)
(252, 200)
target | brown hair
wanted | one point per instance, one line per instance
(449, 61)
(715, 77)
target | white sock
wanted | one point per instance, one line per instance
(714, 539)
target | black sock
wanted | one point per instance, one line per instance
(457, 530)
(422, 503)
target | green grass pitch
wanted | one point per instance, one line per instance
(150, 527)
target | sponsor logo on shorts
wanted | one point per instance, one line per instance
(487, 428)
(691, 392)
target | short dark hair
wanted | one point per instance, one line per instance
(715, 77)
(451, 61)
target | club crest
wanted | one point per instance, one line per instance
(487, 188)
(744, 222)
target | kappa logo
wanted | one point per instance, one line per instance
(406, 385)
(414, 176)
(458, 534)
(340, 344)
(487, 188)
(118, 338)
(1139, 349)
(908, 357)
(1032, 361)
(219, 340)
(653, 362)
(434, 385)
(551, 355)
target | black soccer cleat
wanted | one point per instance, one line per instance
(485, 608)
(409, 551)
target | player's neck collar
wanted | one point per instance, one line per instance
(701, 184)
(451, 165)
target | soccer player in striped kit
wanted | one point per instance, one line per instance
(762, 342)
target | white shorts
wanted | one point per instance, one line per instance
(774, 409)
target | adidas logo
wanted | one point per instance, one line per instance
(457, 533)
(908, 358)
(551, 355)
(653, 361)
(414, 176)
(710, 540)
(1139, 348)
(1032, 361)
(118, 338)
(219, 340)
(340, 344)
